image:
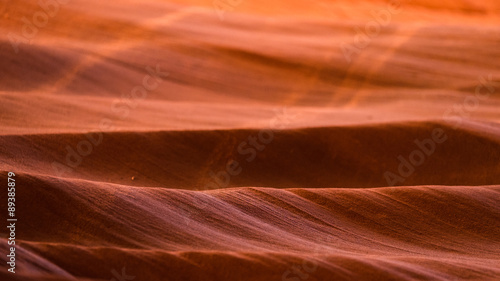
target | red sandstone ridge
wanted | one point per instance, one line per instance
(249, 140)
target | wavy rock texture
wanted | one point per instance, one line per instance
(261, 149)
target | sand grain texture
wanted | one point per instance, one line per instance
(311, 200)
